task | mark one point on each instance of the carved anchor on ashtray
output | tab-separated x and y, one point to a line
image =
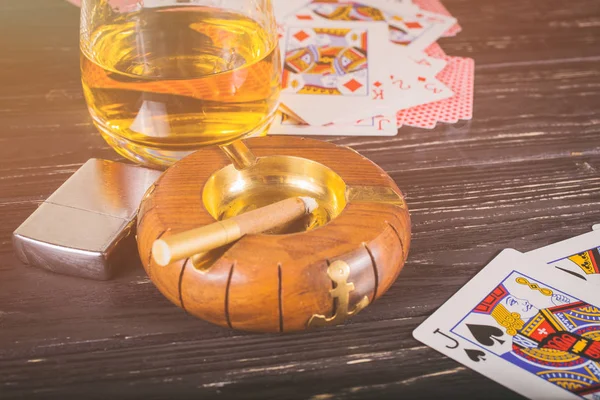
339	272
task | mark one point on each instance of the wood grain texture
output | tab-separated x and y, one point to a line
276	283
522	174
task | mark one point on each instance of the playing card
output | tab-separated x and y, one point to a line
428	65
373	126
437	7
407	25
401	117
413	88
341	72
306	10
460	80
577	257
413	81
427	115
315	10
331	69
423	116
458	77
413	27
523	327
410	93
436	51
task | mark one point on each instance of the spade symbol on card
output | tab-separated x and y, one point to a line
475	355
485	334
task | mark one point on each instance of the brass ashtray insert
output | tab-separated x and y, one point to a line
229	191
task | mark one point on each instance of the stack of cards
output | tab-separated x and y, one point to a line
368	67
529	321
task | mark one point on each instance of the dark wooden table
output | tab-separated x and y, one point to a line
522	174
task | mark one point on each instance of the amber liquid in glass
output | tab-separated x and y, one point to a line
162	82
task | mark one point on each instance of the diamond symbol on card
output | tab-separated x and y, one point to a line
413	25
377	84
304	17
353	85
301	36
421	79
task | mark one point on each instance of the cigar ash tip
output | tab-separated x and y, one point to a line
310	204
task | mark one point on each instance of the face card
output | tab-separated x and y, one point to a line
290	11
577	257
414	28
333	70
407	25
373	126
346	71
527	330
325	61
311	10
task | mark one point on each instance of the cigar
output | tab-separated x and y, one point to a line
200	240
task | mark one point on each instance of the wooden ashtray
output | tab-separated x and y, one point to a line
316	272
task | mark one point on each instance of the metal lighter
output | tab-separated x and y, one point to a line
86	227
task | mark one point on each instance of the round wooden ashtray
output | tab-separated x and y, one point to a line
316	272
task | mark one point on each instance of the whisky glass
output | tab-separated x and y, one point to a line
163	78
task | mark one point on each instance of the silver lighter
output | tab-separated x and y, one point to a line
85	228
